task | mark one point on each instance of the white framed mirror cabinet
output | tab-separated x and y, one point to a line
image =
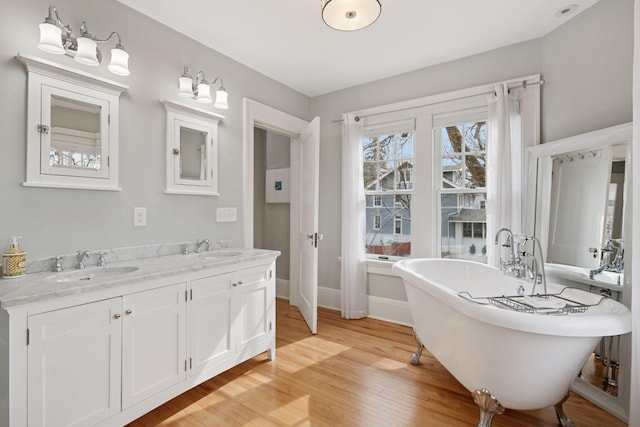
191	150
575	205
72	127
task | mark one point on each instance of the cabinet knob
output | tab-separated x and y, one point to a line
128	312
116	316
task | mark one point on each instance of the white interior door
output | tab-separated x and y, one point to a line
578	207
308	237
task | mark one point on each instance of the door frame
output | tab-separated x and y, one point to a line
268	118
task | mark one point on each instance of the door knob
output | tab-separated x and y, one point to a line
116	316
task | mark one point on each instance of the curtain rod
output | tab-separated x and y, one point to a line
523	85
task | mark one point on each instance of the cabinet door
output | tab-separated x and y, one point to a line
211	321
255	323
74	365
153	342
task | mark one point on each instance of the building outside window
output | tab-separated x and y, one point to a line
463	217
388	160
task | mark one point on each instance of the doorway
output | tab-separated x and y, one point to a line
271	202
304	179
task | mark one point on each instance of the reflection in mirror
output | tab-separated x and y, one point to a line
193	154
586	212
75	134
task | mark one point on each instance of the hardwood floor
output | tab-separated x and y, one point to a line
352	373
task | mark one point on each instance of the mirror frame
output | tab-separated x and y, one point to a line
539	161
540	165
44	75
182	115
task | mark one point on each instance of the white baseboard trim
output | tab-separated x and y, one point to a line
329	298
389	310
282	288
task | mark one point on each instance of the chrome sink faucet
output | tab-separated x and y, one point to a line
617	266
203	242
80	257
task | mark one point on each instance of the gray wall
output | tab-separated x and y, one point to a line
586	63
58	221
587	66
271	221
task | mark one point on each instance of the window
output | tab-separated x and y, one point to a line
462	151
398	225
388	160
424	161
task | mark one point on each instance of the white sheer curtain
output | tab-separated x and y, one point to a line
632	269
504	168
353	271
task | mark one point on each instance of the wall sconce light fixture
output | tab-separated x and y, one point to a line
199	89
55	37
350	15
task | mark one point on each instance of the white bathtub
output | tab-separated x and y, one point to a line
526	360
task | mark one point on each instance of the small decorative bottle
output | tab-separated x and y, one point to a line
14	260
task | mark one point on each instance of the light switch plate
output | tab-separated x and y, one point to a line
226	215
139	217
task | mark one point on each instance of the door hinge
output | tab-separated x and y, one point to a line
43	129
27	336
191	294
190	363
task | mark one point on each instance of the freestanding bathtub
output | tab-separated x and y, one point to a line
506	358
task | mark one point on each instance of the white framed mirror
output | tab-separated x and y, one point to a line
577	196
191	150
575	205
72	127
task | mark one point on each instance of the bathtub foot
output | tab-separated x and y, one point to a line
489	406
563	419
415	357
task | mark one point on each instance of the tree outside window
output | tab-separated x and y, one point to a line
388	161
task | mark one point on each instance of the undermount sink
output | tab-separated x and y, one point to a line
98	273
218	254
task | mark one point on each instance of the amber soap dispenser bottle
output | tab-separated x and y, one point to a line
14	260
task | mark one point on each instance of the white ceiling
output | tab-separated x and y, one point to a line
288	41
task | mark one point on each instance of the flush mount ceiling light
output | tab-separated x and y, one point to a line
566	10
55	37
200	90
350	15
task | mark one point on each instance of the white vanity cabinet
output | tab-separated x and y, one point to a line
74	364
154	342
232	318
107	357
85	361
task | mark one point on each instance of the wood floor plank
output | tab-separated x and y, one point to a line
352	373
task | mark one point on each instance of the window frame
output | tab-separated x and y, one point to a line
425	173
386	128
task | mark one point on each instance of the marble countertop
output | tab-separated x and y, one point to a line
46	285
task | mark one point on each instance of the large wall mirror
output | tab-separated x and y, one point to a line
578	196
192	150
575	205
72	127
